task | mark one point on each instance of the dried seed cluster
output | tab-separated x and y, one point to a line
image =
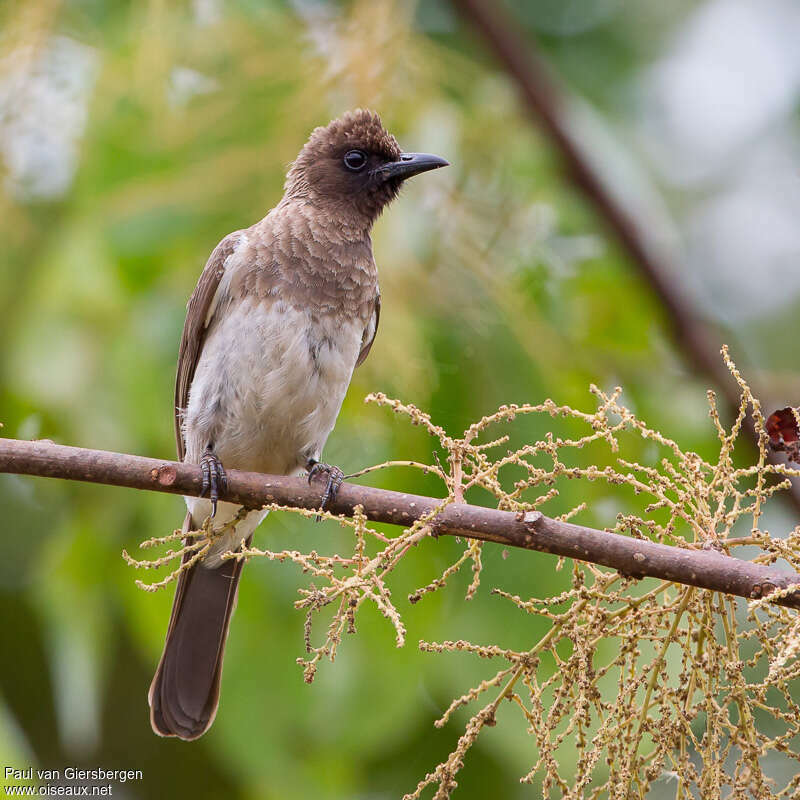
632	683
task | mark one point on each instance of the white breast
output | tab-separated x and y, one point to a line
266	392
269	385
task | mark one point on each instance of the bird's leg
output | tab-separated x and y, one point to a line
214	477
335	478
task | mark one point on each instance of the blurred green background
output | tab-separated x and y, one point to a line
134	136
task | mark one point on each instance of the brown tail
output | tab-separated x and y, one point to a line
184	693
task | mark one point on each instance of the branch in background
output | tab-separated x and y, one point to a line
639	558
545	102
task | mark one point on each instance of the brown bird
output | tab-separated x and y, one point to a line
282	314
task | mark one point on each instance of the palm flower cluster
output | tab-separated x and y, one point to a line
634	682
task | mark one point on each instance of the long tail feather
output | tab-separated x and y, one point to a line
184	693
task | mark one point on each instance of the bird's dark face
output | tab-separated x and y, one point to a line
354	167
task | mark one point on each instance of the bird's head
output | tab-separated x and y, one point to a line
353	168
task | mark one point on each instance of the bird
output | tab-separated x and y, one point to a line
282	314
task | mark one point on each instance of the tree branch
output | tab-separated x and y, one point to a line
546	103
639	558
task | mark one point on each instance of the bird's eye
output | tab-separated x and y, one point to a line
355	160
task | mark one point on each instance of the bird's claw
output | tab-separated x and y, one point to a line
335	478
214	478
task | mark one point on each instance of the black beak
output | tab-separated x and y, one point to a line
410	164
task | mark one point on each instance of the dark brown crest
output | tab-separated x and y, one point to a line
361	129
319	174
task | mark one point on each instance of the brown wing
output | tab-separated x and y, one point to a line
369	333
194	328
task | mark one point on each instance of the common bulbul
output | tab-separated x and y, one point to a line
282	314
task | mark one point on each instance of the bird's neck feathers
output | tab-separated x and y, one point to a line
310	260
352	214
297	226
329	220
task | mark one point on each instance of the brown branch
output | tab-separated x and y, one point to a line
545	102
706	569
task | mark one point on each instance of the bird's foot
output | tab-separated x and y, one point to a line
335	478
214	478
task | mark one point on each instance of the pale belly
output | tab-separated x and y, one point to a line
266	392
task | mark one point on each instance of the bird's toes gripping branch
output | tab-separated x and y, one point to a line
335	478
214	478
